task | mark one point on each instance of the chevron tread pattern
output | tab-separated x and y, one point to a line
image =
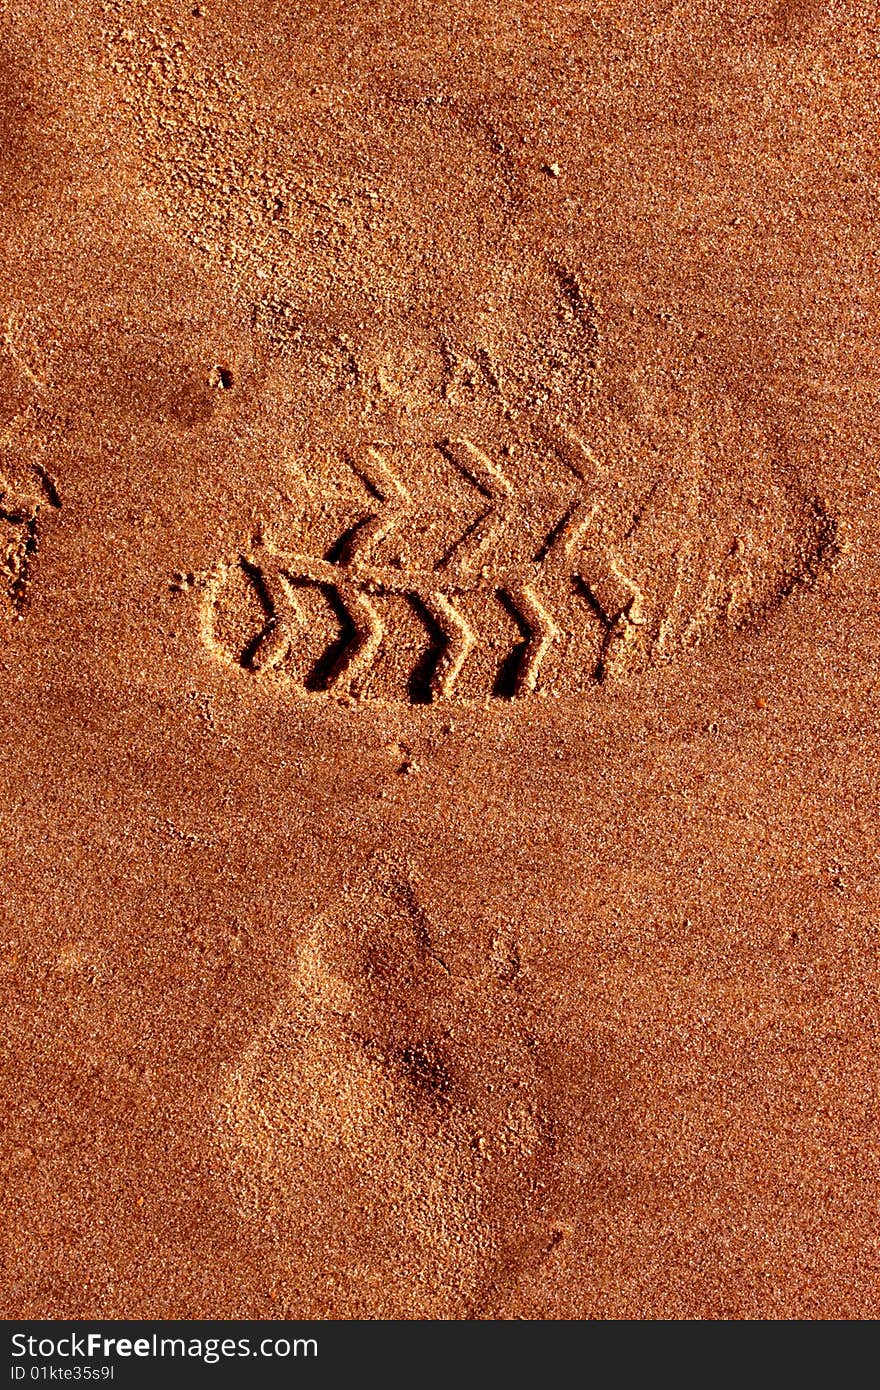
583	578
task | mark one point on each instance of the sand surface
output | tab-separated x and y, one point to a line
440	659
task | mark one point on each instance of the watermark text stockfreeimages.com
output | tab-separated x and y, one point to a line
88	1346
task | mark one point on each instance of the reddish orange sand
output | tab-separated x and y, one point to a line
438	587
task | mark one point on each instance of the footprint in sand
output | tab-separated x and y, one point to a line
421	1096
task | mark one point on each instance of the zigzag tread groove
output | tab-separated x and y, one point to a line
586	578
